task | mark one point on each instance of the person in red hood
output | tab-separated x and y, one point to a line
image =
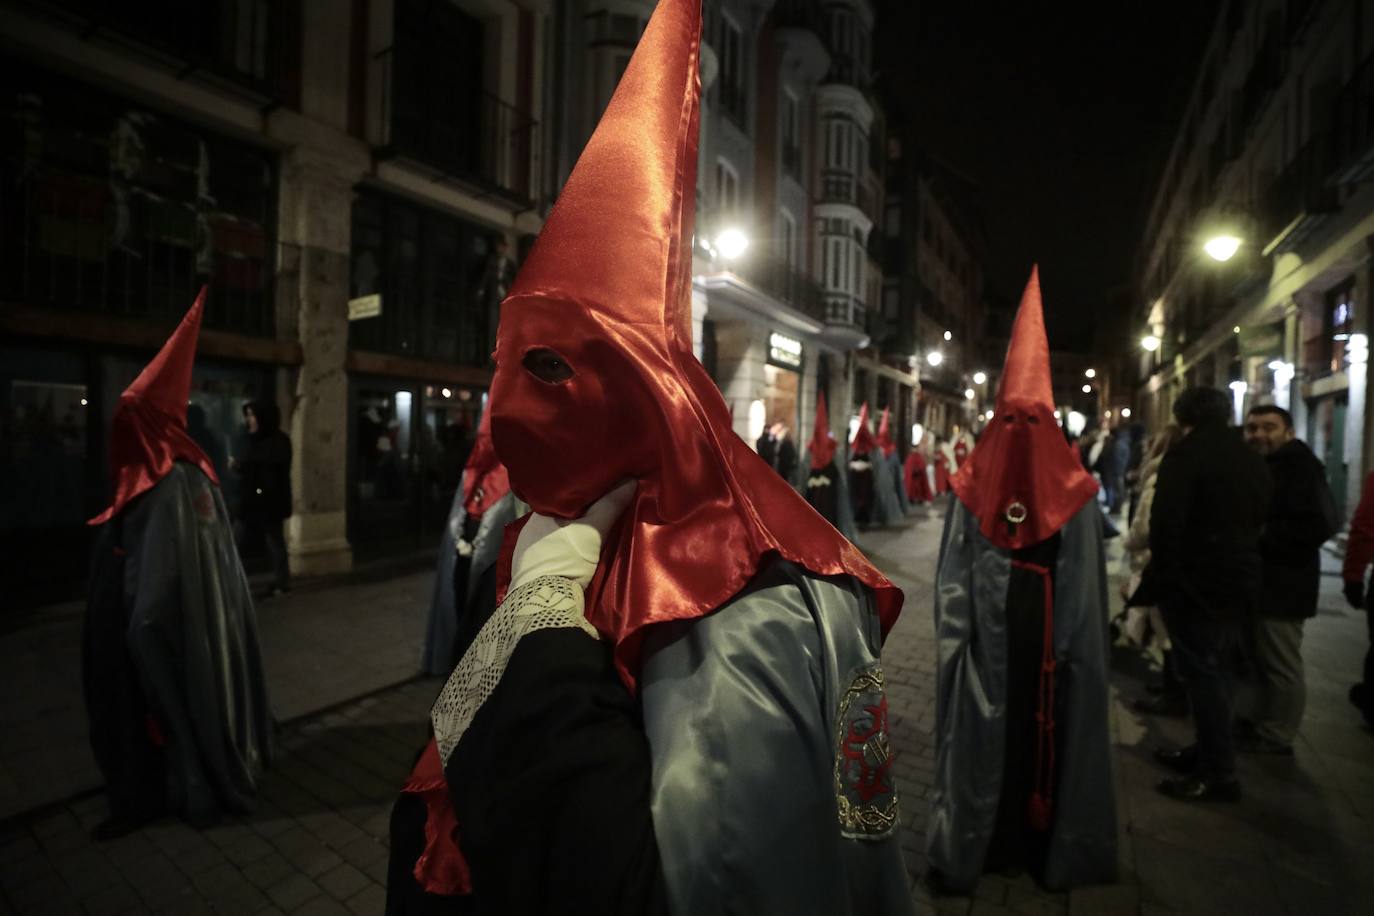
826	490
684	645
915	472
892	501
1023	768
863	453
465	587
175	693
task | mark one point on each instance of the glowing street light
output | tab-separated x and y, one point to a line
732	243
1221	247
1149	343
1090	373
935	357
969	394
1125	413
1087	389
979	378
949	335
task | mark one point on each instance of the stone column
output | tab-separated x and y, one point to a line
316	213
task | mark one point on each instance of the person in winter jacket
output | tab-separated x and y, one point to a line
1171	699
1211	501
1302	516
266	471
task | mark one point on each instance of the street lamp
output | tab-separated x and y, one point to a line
1221	247
1087	389
949	335
1125	413
969	394
1090	373
935	357
732	243
979	378
1149	343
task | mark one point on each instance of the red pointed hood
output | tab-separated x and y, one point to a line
148	433
863	441
596	379
822	445
485	479
1022	481
885	434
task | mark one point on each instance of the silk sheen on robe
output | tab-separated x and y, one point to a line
970	618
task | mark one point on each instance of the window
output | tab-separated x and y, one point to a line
731	70
787	239
727	187
1340	322
791	134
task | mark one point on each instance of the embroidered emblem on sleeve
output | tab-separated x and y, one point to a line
865	791
549	601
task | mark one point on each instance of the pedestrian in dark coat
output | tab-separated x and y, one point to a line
1302	516
266	471
1211	501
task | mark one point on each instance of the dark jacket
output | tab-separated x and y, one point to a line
1300	520
1211	501
266	470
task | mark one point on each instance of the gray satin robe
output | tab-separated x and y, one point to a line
970	623
193	640
747	712
436	658
886	509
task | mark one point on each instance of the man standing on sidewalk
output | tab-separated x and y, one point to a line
266	501
1211	500
1302	516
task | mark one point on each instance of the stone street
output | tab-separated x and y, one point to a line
318	842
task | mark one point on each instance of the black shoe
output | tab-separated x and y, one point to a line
1182	760
1162	705
1201	788
1258	744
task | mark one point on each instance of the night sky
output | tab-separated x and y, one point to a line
1063	120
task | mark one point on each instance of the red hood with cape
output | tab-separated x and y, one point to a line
148	433
602	309
885	434
1022	480
863	441
485	480
822	445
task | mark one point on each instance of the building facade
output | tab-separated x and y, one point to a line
933	317
353	182
1272	172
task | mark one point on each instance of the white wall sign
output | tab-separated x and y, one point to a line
784	351
365	307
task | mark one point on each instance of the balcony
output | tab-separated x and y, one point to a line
842	187
1353	134
1299	200
846	311
456	128
249	48
783	282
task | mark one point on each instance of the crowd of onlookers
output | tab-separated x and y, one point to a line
1223	533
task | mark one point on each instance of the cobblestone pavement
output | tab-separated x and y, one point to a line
1300	842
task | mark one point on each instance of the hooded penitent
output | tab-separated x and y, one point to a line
822	445
148	433
863	442
175	692
468	548
596	379
1023	764
885	442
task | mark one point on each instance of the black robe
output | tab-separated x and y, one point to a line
172	671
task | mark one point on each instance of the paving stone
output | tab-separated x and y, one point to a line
368	901
293	891
343	881
269	870
324	906
117	899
